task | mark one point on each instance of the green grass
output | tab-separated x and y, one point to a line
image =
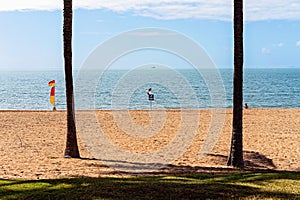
242	185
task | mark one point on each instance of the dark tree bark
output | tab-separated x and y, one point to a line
235	158
71	143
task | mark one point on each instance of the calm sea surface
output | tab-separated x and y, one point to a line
121	89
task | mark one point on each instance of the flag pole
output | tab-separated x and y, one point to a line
54	107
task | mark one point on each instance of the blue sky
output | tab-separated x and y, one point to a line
31	31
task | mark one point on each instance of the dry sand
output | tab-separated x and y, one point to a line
32	142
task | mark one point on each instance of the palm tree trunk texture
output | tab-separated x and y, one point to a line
71	143
236	151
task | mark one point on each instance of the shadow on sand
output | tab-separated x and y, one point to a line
254	161
204	185
170	182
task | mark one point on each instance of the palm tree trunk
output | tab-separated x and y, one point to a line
71	143
236	150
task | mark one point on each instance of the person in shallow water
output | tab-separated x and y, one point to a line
246	106
150	95
149	91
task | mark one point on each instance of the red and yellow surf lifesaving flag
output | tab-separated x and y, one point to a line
52	92
52	83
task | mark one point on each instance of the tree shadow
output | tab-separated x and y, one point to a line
252	160
185	186
255	160
169	182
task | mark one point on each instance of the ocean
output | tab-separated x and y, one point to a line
172	89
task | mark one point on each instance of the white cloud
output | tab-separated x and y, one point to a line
91	33
151	33
265	50
298	43
255	10
12	5
280	44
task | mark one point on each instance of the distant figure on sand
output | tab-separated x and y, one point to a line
246	106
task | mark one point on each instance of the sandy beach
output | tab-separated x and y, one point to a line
32	142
